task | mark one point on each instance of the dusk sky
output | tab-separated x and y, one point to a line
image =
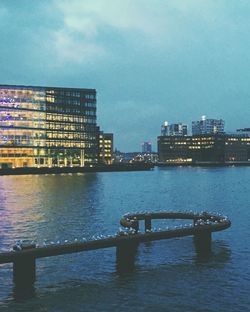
149	60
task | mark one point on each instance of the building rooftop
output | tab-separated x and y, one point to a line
45	87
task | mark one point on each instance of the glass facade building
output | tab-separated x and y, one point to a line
208	126
179	129
47	126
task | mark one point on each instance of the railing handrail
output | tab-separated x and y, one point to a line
203	222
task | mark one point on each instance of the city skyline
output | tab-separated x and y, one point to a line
189	60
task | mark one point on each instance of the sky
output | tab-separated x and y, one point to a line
149	60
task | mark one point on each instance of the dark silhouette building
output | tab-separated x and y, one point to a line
210	149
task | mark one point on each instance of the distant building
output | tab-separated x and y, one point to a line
47	126
125	157
237	148
176	129
205	148
132	157
165	128
106	147
245	131
148	158
147	147
208	126
190	149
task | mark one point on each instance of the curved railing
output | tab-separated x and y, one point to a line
203	221
23	255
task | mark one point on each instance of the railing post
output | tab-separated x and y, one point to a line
195	219
148	224
203	242
125	256
135	225
24	268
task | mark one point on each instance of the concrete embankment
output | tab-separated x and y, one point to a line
59	170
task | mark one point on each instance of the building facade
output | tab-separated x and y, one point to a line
147	147
106	143
208	126
245	131
176	129
210	149
47	126
237	148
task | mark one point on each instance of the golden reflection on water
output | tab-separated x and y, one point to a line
26	201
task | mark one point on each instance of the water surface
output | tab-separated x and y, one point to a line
168	275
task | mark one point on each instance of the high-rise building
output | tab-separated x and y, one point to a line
208	126
147	147
176	129
165	129
47	126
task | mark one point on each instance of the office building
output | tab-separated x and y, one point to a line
47	126
176	129
147	147
165	129
208	126
245	131
106	147
204	149
237	147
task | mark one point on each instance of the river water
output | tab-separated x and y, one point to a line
168	276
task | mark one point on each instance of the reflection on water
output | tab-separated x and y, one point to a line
39	207
167	275
220	254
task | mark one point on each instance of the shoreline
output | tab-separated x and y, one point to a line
205	164
113	168
59	170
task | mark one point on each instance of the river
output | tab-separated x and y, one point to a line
168	276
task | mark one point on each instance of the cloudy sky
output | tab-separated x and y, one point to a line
149	60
